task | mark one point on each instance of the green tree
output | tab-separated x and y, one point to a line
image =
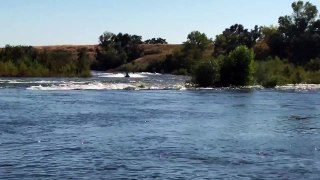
130	45
192	51
206	73
303	16
197	41
115	50
298	38
235	36
238	67
156	41
106	40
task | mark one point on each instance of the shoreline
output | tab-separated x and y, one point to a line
102	80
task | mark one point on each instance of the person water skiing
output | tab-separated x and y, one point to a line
127	75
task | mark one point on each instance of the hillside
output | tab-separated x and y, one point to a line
152	53
71	48
153	56
156	52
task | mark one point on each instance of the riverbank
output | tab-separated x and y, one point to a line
76	61
137	82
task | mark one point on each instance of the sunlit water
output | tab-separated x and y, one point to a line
151	127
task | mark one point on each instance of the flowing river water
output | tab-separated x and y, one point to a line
150	126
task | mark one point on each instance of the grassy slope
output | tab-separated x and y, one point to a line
72	48
152	52
156	52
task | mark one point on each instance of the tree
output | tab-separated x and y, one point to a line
303	17
106	40
298	37
115	50
129	45
206	73
194	48
238	67
156	41
235	36
197	40
278	45
192	51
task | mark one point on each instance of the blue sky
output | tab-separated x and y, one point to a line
54	22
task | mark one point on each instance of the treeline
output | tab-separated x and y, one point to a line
118	49
266	55
115	50
156	41
288	53
28	61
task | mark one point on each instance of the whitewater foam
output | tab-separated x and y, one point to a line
299	87
28	82
106	86
90	86
64	86
120	75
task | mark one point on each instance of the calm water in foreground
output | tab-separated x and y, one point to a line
150	127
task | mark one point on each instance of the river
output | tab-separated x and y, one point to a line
150	126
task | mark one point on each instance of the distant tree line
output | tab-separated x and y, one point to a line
288	53
27	61
115	50
156	41
267	55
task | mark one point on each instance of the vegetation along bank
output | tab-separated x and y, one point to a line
265	55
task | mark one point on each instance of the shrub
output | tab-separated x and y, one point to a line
206	74
279	72
238	67
313	65
181	71
313	77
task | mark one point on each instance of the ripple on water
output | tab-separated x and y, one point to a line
223	133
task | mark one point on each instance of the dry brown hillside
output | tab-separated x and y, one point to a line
156	52
72	48
151	52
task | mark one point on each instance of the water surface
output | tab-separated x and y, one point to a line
152	127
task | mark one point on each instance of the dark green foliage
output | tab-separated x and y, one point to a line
156	41
235	36
313	65
297	37
197	43
15	53
206	73
155	67
296	41
173	62
279	72
238	67
27	61
288	53
83	63
129	45
108	59
181	71
235	69
278	45
60	62
115	50
186	59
